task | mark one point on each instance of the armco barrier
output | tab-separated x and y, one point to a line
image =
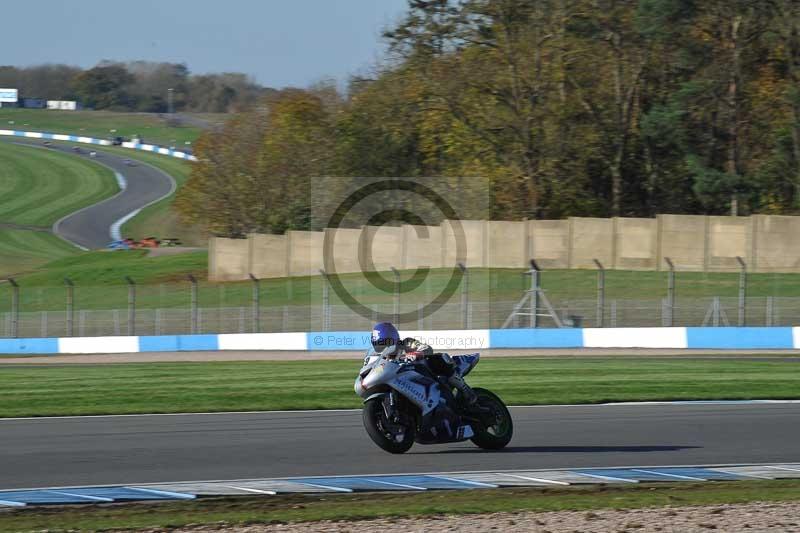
102	142
777	338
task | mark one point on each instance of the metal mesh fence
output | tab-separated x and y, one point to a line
487	299
760	311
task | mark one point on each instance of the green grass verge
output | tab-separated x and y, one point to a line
40	186
37	188
23	250
106	268
99	279
296	508
149	126
273	385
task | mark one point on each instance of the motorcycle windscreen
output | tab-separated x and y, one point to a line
465	363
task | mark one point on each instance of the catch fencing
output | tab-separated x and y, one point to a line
482	299
761	311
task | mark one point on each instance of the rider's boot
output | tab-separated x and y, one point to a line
465	392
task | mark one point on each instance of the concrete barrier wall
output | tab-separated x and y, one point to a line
228	259
475	235
691	242
683	239
267	255
776	338
636	244
383	246
728	237
422	246
548	242
776	243
508	244
591	238
345	245
304	252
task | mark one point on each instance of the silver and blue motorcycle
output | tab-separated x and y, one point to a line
406	402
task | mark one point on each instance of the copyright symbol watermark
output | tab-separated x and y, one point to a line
396	232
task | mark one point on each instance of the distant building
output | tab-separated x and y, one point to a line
64	105
34	103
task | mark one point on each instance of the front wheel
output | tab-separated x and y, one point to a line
498	428
394	436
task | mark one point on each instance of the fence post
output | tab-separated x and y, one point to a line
601	292
70	306
326	314
742	291
256	304
613	313
770	311
465	322
535	286
396	297
131	305
14	307
670	292
193	281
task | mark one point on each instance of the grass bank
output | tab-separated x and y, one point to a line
37	187
273	385
231	512
25	250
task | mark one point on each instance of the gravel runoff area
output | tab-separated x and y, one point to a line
233	355
735	518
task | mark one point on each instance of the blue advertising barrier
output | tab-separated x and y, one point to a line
722	338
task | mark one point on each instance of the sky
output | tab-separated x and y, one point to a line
280	43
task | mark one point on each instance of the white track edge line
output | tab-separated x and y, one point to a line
146	485
698	403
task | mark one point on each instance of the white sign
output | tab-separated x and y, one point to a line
65	105
9	95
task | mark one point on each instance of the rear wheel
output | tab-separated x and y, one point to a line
394	436
498	428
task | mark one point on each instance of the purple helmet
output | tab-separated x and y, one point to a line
384	334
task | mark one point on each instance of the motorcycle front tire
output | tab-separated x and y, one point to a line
373	416
493	440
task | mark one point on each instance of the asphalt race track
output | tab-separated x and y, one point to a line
153	448
90	227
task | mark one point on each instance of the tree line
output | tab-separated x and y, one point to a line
136	86
568	107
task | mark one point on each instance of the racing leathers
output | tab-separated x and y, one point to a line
440	363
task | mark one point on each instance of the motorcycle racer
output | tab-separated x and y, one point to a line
384	334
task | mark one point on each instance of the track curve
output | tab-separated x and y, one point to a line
90	227
156	448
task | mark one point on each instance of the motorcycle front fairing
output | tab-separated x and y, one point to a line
465	363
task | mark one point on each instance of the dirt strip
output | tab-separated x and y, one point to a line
753	517
265	355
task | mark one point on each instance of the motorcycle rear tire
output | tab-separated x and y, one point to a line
483	438
373	416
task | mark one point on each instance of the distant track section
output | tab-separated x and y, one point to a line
91	227
101	142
